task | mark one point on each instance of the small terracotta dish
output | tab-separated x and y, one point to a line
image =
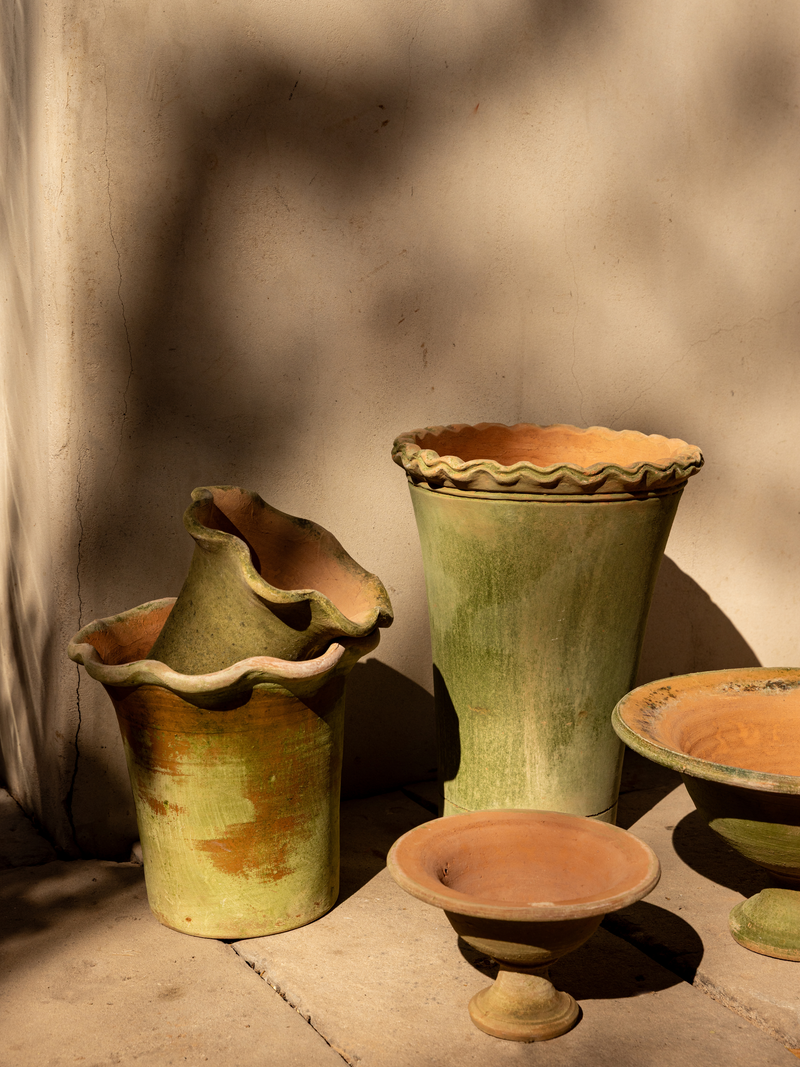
525	888
734	735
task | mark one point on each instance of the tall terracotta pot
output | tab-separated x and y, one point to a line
236	769
541	547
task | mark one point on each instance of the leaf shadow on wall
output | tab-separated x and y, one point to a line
212	355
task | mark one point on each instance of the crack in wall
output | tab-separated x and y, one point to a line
760	319
70	796
128	344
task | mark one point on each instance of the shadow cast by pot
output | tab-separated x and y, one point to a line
661	935
389	731
36	902
368	829
686	631
644	784
607	967
448	735
706	852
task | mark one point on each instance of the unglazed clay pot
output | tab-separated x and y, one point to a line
263	583
734	735
525	888
541	547
235	763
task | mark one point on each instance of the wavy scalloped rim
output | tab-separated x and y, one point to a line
379	615
236	679
424	465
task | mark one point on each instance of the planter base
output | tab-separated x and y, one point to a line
769	923
447	807
523	1006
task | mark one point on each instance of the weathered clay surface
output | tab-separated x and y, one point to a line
263	583
716	724
491	457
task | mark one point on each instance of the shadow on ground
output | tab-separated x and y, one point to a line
706	852
605	968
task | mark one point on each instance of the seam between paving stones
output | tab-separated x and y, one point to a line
705	985
351	1060
695	978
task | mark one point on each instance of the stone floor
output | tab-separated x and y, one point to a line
87	976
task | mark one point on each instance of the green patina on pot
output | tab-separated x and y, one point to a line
539	582
734	735
236	771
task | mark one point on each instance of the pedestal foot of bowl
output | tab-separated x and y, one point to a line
769	923
523	1006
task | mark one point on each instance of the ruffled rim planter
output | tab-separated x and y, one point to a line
262	582
235	775
541	546
559	459
114	652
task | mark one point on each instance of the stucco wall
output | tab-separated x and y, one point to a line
267	237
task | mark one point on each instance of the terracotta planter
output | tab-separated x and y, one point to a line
525	888
236	770
541	547
734	735
263	583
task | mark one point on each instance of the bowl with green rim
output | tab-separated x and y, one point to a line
734	736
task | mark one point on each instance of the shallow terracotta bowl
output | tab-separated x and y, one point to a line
524	887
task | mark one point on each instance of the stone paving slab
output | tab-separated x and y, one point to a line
684	922
382	978
89	977
20	844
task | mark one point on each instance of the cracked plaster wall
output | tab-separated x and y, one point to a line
251	243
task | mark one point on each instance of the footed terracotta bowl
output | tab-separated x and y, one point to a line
734	735
524	887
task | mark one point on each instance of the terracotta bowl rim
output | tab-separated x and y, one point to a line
653	696
543	911
426	466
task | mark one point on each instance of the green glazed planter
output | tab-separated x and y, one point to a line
541	547
236	770
734	735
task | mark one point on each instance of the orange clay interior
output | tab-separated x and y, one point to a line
547	446
521	863
130	640
289	557
753	731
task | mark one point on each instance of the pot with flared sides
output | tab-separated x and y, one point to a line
232	715
734	736
525	888
541	546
